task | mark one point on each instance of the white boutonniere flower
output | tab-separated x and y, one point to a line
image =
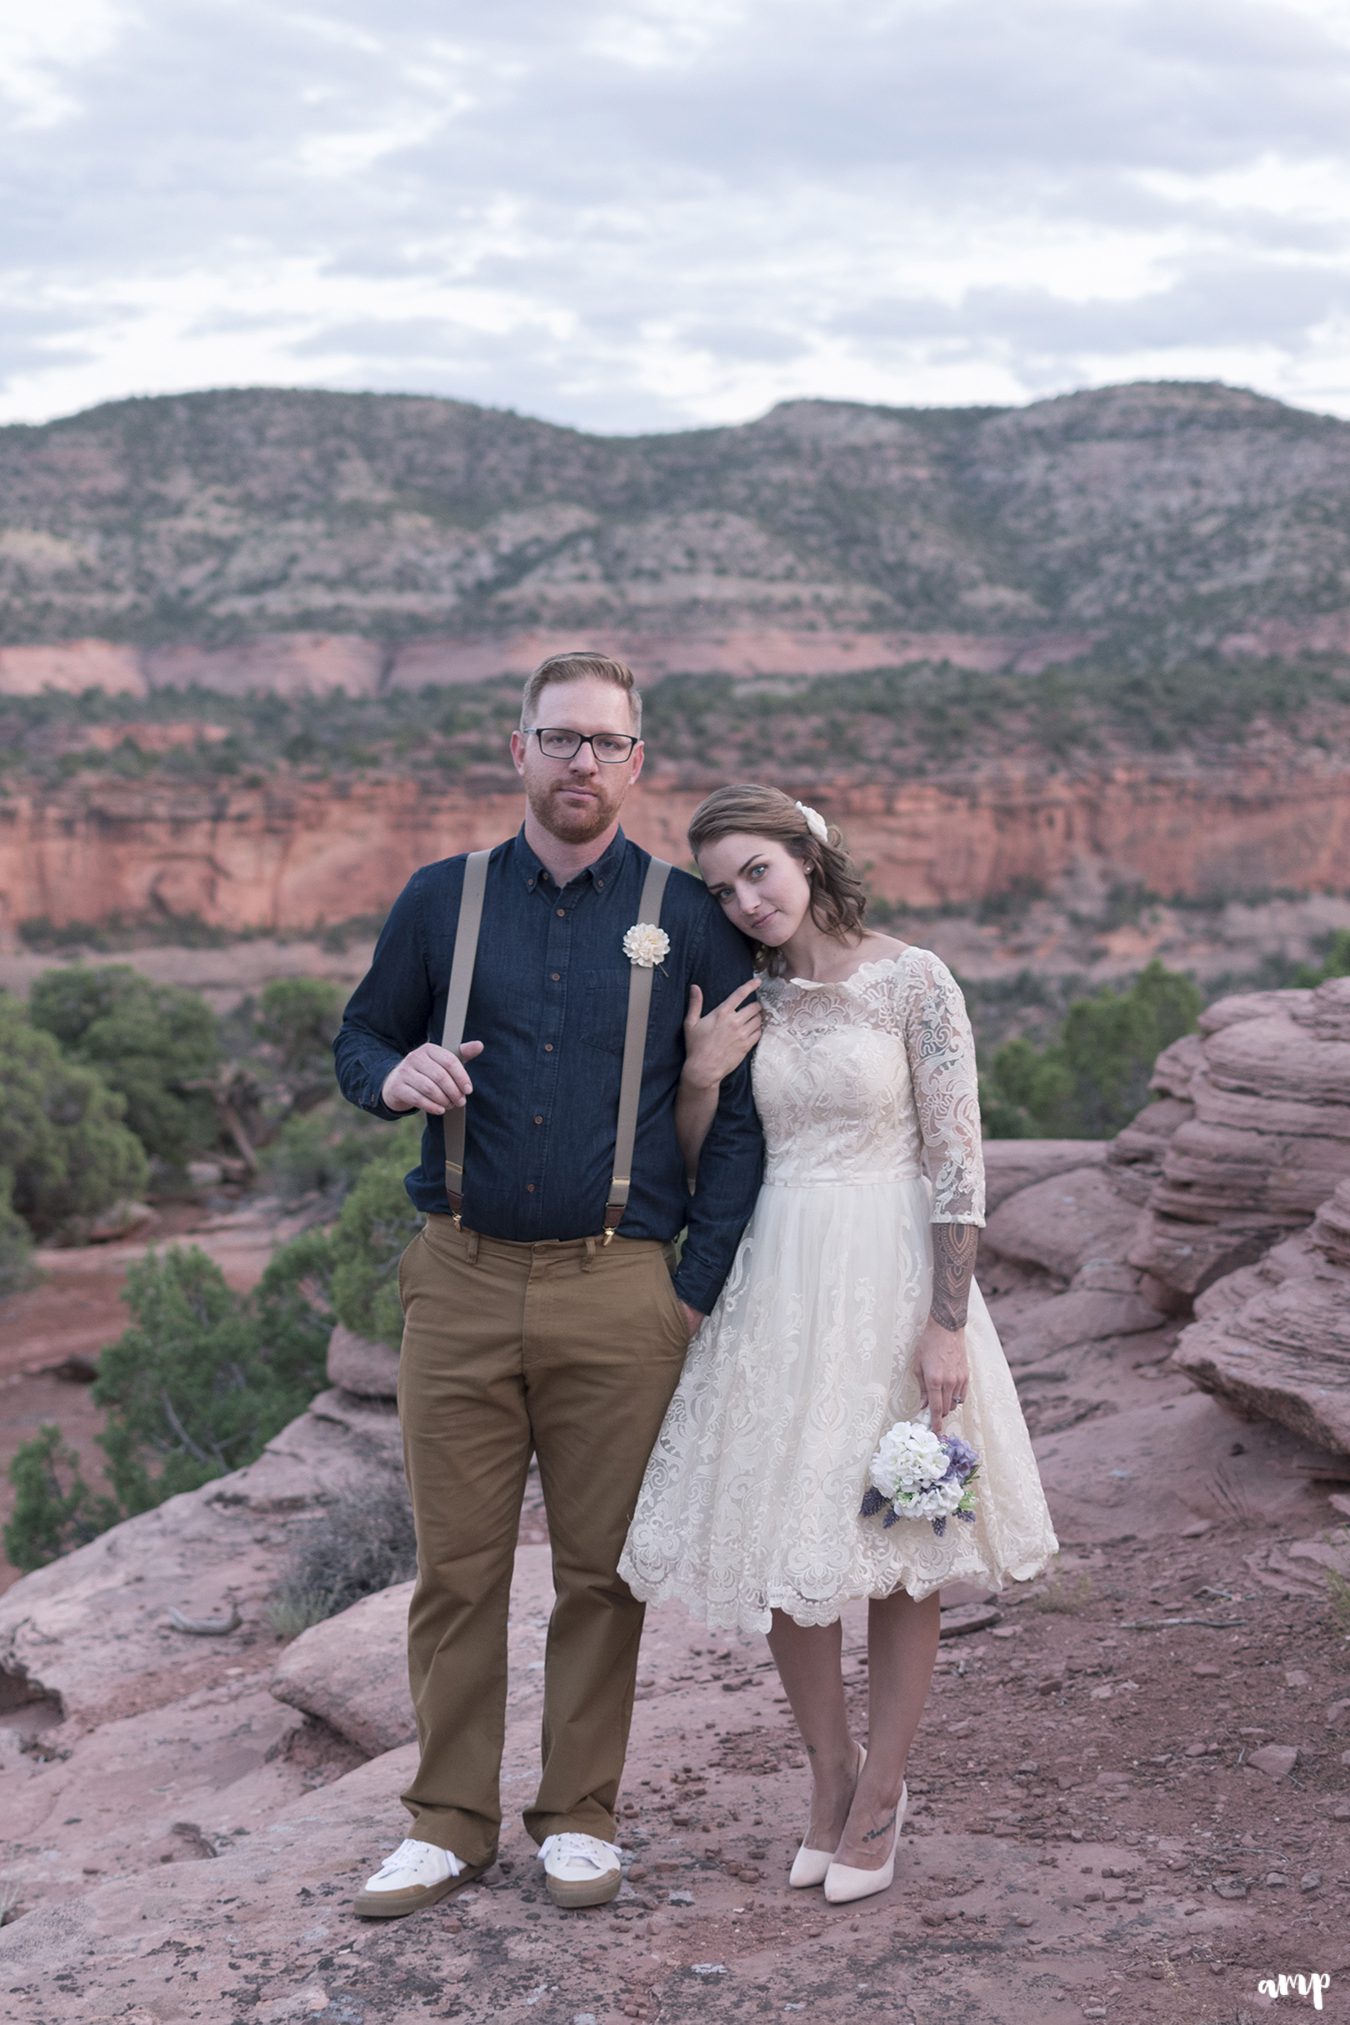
646	945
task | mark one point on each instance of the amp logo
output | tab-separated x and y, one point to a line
1291	1986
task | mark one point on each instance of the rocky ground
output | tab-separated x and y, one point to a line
1131	1786
1129	1790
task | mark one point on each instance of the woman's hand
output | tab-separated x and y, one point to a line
943	1369
715	1043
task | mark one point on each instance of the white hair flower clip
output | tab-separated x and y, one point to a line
815	823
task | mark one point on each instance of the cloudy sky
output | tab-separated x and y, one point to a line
667	212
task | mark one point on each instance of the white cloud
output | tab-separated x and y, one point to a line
651	213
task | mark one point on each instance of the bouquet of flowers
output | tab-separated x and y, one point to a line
916	1474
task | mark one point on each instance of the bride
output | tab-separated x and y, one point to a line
850	1306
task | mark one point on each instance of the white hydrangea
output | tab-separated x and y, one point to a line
907	1469
646	945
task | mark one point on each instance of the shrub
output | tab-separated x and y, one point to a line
205	1377
297	1018
197	1386
1091	1080
62	1139
16	1246
325	1151
361	1543
54	1508
1336	962
376	1225
150	1042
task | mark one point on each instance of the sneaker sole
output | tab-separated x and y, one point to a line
395	1905
589	1891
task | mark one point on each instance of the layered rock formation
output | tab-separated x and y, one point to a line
326	529
1275	1336
292	854
1249	1140
1250	1135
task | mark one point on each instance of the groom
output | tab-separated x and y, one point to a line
525	1330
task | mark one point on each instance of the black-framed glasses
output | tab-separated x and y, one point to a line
611	748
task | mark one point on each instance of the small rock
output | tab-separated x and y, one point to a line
1295	1677
1274	1878
1341	1811
1277	1761
1206	1671
1310	1881
1197	1529
709	1968
1023	1920
1229	1887
679	1898
1337	1713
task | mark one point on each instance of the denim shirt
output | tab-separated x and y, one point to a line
550	1002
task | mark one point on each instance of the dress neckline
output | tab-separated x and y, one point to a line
841	983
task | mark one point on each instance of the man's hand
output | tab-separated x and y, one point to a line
692	1317
430	1079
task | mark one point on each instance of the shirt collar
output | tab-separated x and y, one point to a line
601	873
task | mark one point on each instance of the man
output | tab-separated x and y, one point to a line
524	1329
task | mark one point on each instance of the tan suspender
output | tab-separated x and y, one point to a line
634	1039
456	1008
634	1047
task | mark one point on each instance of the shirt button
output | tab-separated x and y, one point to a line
556	975
562	913
529	1188
548	1047
538	1117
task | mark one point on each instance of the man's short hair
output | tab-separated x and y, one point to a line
576	667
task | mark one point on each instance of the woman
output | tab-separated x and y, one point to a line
850	1306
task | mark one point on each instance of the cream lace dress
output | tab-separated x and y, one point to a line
750	1500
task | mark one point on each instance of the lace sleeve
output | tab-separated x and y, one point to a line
946	1092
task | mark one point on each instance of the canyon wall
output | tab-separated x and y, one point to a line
293	854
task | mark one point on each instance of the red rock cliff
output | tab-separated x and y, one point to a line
294	854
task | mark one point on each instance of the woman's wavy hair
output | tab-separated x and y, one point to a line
838	901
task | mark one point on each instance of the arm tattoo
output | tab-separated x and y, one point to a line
954	1249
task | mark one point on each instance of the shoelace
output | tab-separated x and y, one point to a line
409	1853
573	1847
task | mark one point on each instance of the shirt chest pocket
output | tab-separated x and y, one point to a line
604	1007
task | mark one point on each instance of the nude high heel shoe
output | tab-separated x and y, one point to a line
811	1866
843	1883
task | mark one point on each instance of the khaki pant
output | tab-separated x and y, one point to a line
570	1349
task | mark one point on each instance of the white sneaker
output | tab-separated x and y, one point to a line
417	1874
580	1869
